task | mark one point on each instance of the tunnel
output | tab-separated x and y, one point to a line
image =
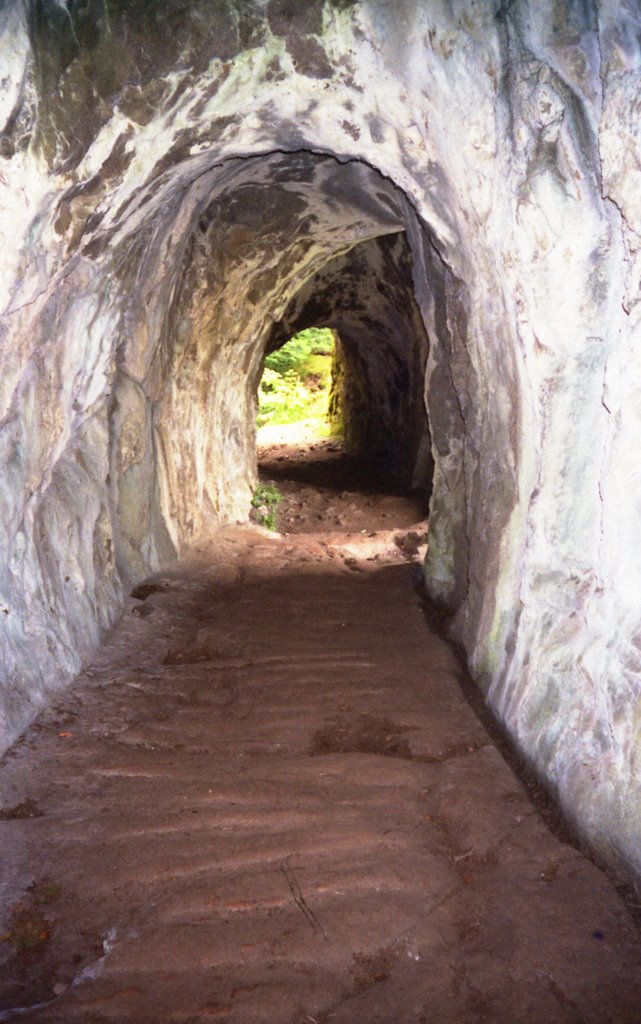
450	186
367	297
323	221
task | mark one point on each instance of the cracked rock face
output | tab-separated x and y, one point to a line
180	182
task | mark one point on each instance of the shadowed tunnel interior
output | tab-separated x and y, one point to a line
283	242
200	279
367	296
454	188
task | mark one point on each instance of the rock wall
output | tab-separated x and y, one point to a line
171	175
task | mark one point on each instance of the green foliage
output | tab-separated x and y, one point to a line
296	379
282	398
265	503
315	341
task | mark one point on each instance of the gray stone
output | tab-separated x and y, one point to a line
177	179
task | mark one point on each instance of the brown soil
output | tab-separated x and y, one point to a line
269	801
324	489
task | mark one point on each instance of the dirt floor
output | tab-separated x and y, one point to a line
325	489
269	801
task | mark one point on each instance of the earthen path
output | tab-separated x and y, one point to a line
268	801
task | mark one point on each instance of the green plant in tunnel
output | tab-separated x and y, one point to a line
265	503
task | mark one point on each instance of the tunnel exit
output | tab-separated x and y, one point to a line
313	476
297	387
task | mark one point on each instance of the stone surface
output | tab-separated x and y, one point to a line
170	176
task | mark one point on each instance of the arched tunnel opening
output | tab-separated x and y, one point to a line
367	297
283	242
240	779
297	382
267	246
376	405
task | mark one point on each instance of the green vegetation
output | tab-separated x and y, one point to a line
265	504
296	380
